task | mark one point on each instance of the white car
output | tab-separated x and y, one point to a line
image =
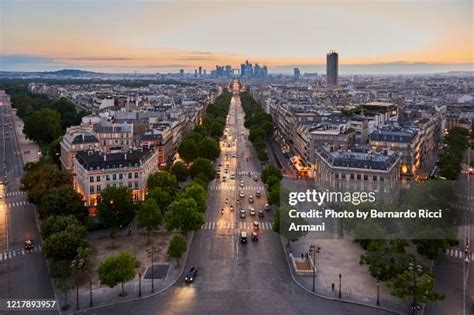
242	213
258	194
242	195
242	184
232	176
252	211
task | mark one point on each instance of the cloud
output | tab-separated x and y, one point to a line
98	58
24	59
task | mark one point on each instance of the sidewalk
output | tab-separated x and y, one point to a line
341	256
103	295
28	148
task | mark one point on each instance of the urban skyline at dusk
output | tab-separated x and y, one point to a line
163	36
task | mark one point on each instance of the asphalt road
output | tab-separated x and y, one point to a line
22	274
236	278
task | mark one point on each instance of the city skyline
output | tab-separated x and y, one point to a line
163	36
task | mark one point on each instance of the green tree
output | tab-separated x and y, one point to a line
209	148
177	247
117	269
161	196
204	167
44	126
55	224
41	177
418	287
184	215
149	216
164	180
180	171
274	195
64	245
188	150
62	200
197	193
61	271
116	207
271	171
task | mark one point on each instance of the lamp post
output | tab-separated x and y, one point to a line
340	285
416	270
77	265
152	270
139	284
90	294
312	250
378	292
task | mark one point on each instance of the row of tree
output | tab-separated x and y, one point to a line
259	123
450	163
203	142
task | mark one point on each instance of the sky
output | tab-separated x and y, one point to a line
371	36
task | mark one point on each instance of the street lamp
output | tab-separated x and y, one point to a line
77	265
340	285
312	250
378	292
416	270
152	269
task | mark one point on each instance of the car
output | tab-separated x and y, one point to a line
254	236
232	176
224	178
243	237
241	195
256	225
471	170
242	184
237	201
250	199
258	194
226	170
233	155
267	207
261	213
255	178
252	211
243	213
29	245
191	275
17	153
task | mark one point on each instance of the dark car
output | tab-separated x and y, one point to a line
191	275
254	236
261	214
29	245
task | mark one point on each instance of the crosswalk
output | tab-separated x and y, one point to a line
18	252
246	173
15	193
457	253
17	204
232	187
243	225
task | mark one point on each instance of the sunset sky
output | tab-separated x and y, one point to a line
162	36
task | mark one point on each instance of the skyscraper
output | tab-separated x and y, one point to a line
296	73
331	68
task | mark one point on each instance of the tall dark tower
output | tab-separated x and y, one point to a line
331	68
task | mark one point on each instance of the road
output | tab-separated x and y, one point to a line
236	278
22	274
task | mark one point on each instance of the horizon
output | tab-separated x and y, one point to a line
163	36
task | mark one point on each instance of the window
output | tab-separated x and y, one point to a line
129	175
343	175
120	176
98	188
374	178
352	176
129	184
382	178
120	184
114	176
98	178
91	179
336	175
358	176
366	177
136	185
91	189
107	177
136	175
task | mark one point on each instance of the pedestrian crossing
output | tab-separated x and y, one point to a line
457	253
232	187
246	173
17	204
15	193
18	252
243	225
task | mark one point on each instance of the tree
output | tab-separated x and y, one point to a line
180	171
204	167
188	150
64	245
117	269
53	151
44	126
177	247
164	180
41	177
274	195
55	224
62	271
184	215
161	197
116	207
209	148
68	112
412	284
62	200
271	171
149	215
197	193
